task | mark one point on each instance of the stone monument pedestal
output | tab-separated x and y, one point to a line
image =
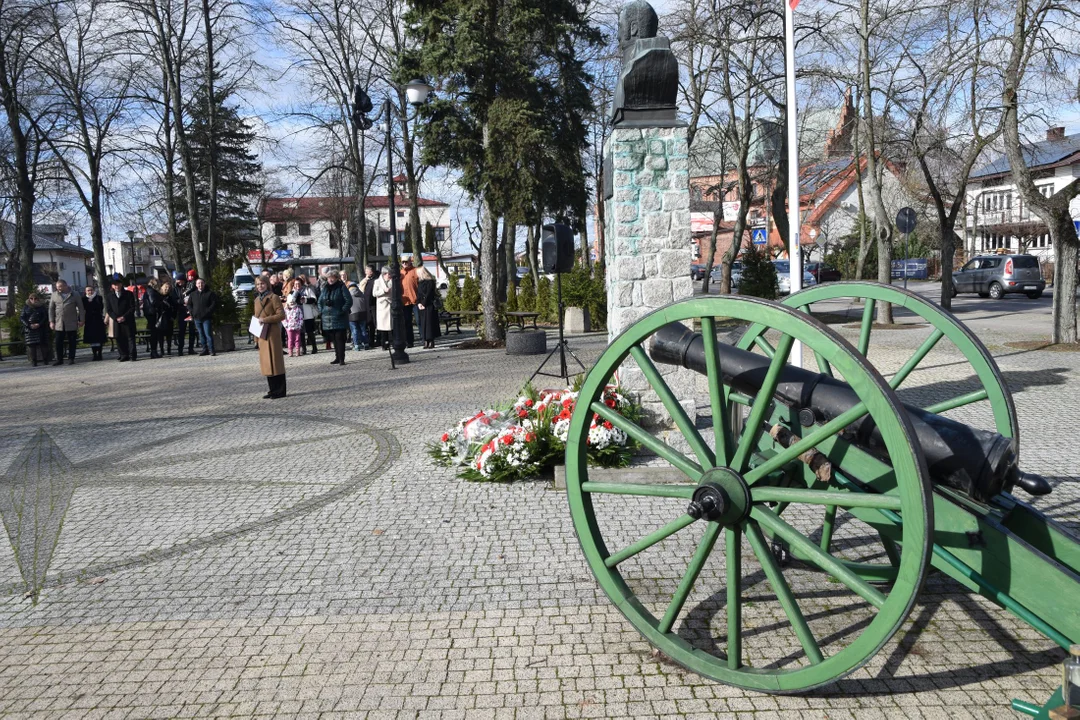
647	244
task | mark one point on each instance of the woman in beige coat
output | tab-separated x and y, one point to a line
269	311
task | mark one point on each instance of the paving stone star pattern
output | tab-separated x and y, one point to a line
225	556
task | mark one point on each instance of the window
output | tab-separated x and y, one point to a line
1026	261
281	229
304	229
333	240
1046	190
440	235
305	249
139	270
401	213
155	252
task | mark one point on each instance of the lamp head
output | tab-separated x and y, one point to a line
417	91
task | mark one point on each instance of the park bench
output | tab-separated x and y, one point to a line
454	317
519	319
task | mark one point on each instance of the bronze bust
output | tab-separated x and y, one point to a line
648	85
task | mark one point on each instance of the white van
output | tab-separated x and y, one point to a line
243	282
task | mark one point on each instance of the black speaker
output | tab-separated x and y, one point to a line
558	248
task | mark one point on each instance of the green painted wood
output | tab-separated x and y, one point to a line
762	401
671	403
828	525
866	325
697	562
953	403
807	549
686	492
741	399
824	497
973	350
766	348
783	594
913	491
717	392
1042	533
649	540
823	365
916	358
658	447
733	572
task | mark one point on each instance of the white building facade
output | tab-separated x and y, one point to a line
318	227
997	217
147	256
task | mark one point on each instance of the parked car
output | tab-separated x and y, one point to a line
783	276
736	273
697	271
997	275
822	272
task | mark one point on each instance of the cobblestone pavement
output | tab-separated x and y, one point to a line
180	547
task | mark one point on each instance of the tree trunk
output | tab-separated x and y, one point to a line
489	270
211	190
511	262
530	253
1063	235
500	260
709	256
586	259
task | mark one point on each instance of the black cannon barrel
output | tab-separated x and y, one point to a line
978	462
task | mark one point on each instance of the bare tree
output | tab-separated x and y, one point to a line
950	126
1041	52
89	85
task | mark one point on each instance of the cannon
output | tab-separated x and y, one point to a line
796	471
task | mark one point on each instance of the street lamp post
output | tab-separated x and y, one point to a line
416	92
131	241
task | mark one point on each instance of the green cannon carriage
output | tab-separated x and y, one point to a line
807	471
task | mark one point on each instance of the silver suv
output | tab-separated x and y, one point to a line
995	275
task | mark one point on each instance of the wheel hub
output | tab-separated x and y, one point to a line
722	497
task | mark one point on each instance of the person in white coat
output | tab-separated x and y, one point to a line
381	292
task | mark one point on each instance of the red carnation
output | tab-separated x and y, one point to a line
529	437
610	403
508	439
529	403
522	413
607	425
445	437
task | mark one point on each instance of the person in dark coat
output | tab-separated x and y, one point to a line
153	308
120	306
184	326
334	305
367	285
201	304
35	322
94	322
427	305
168	314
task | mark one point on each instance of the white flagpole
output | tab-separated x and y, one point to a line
794	223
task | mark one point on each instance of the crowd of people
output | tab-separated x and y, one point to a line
356	311
176	310
290	309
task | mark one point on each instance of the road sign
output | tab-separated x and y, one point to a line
759	236
1076	224
905	220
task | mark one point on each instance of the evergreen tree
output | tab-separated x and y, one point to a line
429	238
510	116
238	186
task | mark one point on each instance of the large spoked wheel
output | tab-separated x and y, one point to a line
760	641
992	387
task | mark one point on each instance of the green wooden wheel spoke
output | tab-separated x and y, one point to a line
649	540
783	593
740	399
866	325
697	562
717	391
761	404
673	456
823	365
915	359
952	404
686	426
819	434
733	550
684	492
812	553
825	497
828	524
890	550
766	348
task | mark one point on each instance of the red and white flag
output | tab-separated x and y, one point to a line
793	3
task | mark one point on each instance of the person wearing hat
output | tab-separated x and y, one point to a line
120	305
409	282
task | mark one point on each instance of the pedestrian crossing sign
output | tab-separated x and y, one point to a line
759	237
